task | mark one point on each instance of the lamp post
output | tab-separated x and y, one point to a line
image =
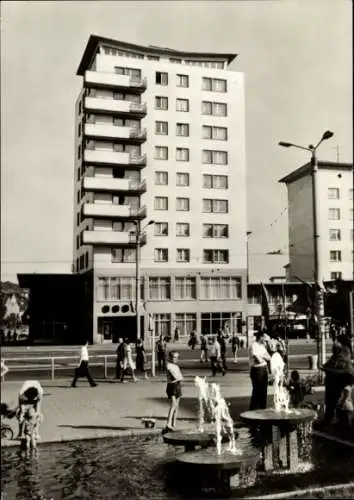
248	257
321	345
138	234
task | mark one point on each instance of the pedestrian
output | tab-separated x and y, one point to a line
235	345
161	349
296	389
30	396
140	357
120	351
83	369
176	334
222	342
128	363
173	390
30	432
203	348
192	340
215	357
259	358
4	370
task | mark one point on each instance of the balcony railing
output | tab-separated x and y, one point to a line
137	133
113	185
137	107
114	80
132	238
137	160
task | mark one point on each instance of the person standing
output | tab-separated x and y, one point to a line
120	358
140	357
128	362
235	345
203	348
30	396
83	369
215	357
192	340
222	342
176	335
173	390
259	359
161	348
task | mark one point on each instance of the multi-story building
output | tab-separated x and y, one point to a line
334	221
160	142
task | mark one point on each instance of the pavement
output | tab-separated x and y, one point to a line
116	409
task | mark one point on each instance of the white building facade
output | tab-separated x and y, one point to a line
160	138
334	221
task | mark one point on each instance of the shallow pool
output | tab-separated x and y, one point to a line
139	468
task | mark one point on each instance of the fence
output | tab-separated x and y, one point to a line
103	364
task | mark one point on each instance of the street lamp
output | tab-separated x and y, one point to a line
321	346
138	234
248	233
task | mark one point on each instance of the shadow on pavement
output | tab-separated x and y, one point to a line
105	427
192	419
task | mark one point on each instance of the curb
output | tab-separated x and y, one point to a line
302	493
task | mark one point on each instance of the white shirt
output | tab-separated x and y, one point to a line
260	352
32	383
173	373
215	350
84	354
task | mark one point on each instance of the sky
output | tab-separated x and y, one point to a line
297	60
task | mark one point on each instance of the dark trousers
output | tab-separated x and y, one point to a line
83	371
259	378
223	361
118	368
161	363
334	385
215	365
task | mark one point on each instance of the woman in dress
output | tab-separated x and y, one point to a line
140	357
173	390
129	363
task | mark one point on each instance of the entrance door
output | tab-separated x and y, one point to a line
107	331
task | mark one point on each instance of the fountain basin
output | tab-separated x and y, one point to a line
213	471
190	439
282	436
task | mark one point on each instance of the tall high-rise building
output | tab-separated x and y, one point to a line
160	144
334	221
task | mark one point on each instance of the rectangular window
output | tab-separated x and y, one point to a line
182	81
175	60
183	255
162	325
335	234
161	153
220	287
161	128
215	181
159	288
161	178
116	288
161	103
214	85
215	206
79	152
161	255
182	154
161	203
127	255
161	78
185	288
186	322
336	275
335	256
161	229
182	105
214	157
215	231
215	256
79	129
182	179
153	58
214	108
334	214
182	129
182	204
333	193
182	229
215	133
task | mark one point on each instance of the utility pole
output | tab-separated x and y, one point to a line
137	278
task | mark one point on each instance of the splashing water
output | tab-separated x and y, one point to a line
281	394
210	397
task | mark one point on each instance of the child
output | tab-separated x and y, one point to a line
296	389
173	390
345	409
32	419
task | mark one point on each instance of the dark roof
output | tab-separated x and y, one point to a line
306	170
95	40
29	279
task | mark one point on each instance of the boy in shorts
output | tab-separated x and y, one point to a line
173	389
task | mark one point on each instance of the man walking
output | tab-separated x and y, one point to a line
203	348
222	342
120	358
83	369
214	356
259	357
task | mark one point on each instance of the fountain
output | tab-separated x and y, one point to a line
215	468
280	427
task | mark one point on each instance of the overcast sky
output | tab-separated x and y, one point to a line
297	60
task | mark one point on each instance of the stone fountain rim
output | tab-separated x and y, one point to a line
226	461
270	416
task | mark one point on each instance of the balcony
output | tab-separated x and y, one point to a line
125	134
112	158
112	185
112	238
115	107
112	211
112	80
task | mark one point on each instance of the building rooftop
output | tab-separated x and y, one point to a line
307	168
95	41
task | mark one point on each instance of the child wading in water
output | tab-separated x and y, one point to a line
173	390
31	421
